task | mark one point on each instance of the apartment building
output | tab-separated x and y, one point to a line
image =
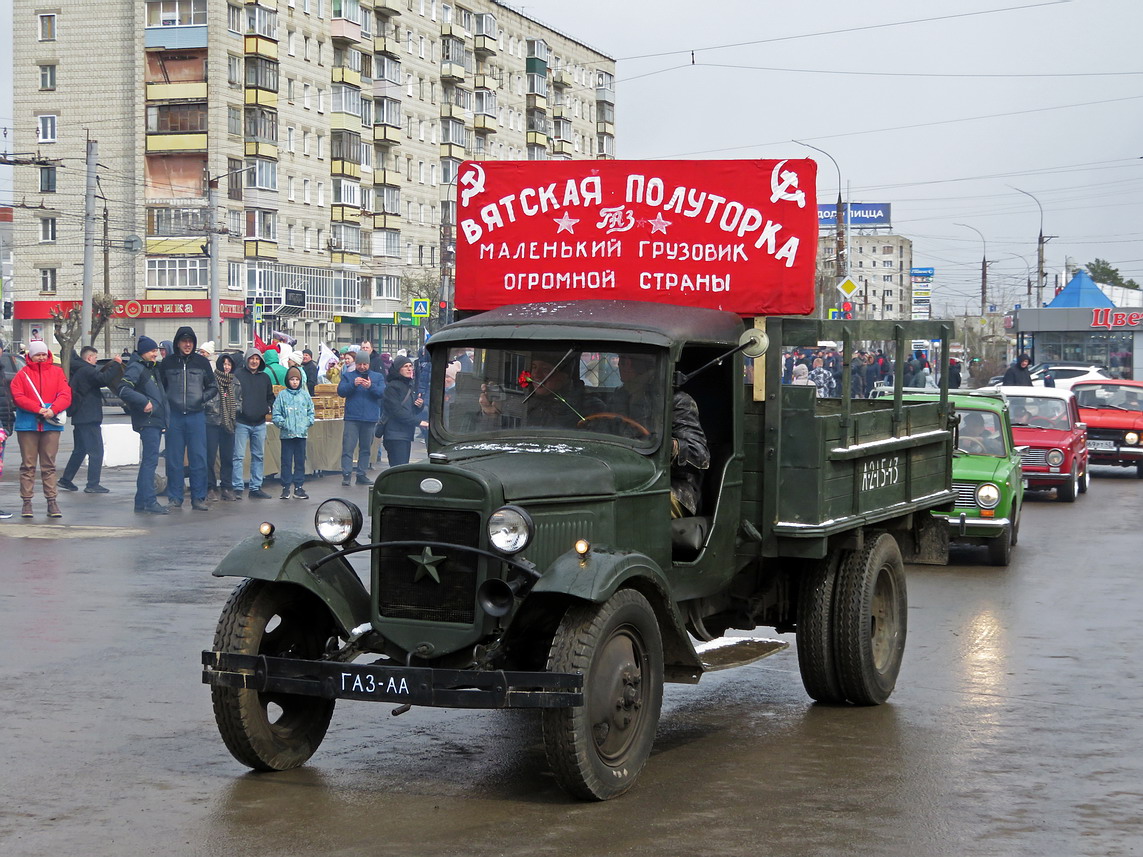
327	133
879	263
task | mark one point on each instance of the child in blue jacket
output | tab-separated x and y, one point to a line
293	414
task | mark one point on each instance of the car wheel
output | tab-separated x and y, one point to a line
596	750
1085	480
1139	470
1066	493
1000	548
271	731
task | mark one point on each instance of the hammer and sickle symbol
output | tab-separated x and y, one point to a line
474	178
780	180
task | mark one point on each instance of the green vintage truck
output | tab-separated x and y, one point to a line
532	561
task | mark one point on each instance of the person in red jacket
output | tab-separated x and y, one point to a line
39	391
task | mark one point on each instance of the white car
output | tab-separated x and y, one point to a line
1064	374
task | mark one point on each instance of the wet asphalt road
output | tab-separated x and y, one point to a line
1015	728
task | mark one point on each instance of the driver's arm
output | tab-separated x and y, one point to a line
689	446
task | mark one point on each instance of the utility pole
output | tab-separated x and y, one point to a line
86	320
983	269
214	328
106	277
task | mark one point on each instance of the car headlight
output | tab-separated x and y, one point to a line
509	529
987	496
1131	438
337	521
1055	457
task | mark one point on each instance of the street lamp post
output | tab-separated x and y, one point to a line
1040	242
983	268
841	222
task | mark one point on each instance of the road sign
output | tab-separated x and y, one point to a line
834	313
420	308
257	313
847	287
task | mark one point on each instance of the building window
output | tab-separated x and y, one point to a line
306	193
387	242
321	193
47	179
346	192
262	124
346	146
235	169
387	286
346	99
47	77
344	236
48	278
47	229
262	174
306	90
261	224
262	73
48	34
233	70
178	272
235	20
234	121
176	13
387	111
176	118
47	128
389	199
234	228
173	222
261	21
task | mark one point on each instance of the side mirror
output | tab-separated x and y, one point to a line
1081	426
753	343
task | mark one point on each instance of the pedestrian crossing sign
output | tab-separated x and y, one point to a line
420	308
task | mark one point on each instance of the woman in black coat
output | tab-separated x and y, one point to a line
402	409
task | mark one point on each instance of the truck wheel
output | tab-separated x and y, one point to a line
815	631
870	620
271	731
1000	548
598	749
1066	493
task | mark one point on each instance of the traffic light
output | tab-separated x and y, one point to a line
7	309
846	309
248	313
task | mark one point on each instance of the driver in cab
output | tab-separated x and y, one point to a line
555	398
975	438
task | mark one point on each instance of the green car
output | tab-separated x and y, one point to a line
987	475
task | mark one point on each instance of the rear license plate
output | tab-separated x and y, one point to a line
1105	445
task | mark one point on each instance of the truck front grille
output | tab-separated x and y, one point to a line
407	589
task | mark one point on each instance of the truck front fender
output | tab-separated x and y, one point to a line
286	557
597	576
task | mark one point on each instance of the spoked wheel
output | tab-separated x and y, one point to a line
816	659
598	749
870	606
271	731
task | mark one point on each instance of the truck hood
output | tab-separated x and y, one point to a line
530	470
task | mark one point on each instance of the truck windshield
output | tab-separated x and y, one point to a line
557	387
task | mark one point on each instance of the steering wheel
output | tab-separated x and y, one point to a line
611	415
971	444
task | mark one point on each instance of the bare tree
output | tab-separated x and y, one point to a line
425	285
68	325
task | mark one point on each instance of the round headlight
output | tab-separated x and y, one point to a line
987	496
1055	457
1131	438
337	521
509	529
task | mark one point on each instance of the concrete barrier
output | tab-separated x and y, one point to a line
121	446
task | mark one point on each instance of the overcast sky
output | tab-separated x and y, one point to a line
938	108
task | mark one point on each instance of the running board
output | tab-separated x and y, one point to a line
727	652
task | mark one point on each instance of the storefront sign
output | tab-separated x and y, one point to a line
40	310
1112	318
857	214
733	235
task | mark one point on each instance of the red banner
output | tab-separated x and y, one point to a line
732	235
165	308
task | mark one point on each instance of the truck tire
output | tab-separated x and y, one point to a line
1066	493
271	731
815	631
870	621
1000	548
597	750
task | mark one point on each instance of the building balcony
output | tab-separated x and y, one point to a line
485	124
455	111
484	46
485	81
537	102
341	74
453	150
559	111
388	89
387	177
605	128
344	169
161	143
260	249
345	122
562	147
452	72
562	78
454	31
261	46
387	45
190	245
342	30
605	93
175	38
258	149
537	138
386	221
261	98
387	134
183	91
345	214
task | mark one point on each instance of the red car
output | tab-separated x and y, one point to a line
1113	411
1054	442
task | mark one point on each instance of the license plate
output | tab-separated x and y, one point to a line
1108	445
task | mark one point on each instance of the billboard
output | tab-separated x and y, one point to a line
731	235
860	215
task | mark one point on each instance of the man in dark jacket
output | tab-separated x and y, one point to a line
86	413
955	379
363	391
188	379
309	370
1018	374
142	393
250	422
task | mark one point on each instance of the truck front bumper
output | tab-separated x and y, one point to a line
425	686
962	526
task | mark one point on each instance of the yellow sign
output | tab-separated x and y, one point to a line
847	287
